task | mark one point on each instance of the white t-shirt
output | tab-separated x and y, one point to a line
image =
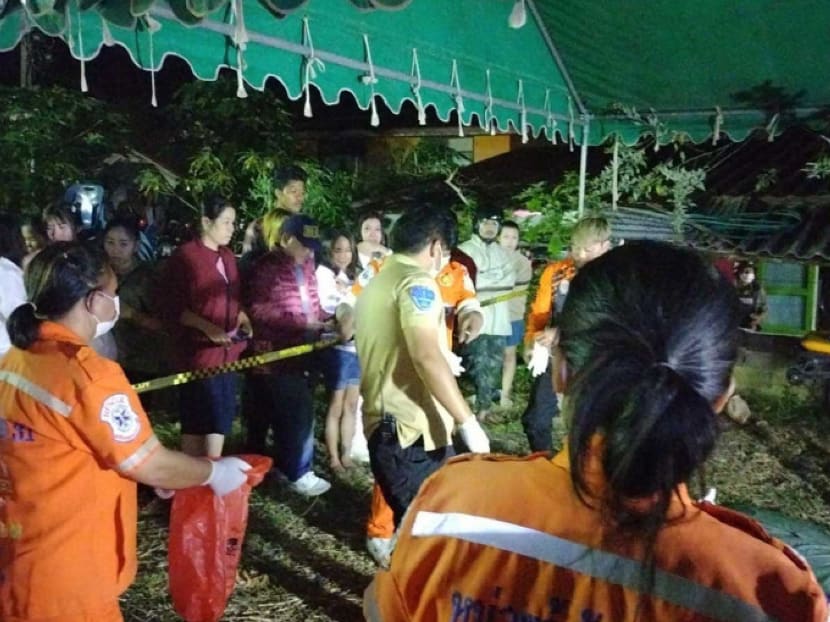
12	295
332	289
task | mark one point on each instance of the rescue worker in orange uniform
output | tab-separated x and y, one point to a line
606	530
73	442
462	311
589	240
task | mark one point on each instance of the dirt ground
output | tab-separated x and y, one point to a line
305	559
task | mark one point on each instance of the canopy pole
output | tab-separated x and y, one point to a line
615	174
583	164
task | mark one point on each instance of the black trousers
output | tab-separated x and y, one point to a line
537	419
400	471
283	401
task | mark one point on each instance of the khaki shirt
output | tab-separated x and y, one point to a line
401	296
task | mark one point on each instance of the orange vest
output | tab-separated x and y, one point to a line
457	293
504	538
457	290
541	310
71	430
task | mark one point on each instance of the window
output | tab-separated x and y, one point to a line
792	294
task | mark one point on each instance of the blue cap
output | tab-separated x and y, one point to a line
305	229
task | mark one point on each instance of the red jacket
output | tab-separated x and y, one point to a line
193	282
275	305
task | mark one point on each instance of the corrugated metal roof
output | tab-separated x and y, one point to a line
759	201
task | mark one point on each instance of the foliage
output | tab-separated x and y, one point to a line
558	206
405	163
232	146
671	183
820	169
766	179
51	138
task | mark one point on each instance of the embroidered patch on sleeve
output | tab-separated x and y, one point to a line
422	297
118	413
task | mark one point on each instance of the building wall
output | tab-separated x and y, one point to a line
490	146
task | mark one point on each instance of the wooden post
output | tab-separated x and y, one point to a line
26	61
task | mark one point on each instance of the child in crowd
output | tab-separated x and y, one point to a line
509	240
335	277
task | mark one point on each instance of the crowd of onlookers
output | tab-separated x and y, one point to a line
203	306
646	366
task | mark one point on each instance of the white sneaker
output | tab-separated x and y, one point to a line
360	454
310	485
381	550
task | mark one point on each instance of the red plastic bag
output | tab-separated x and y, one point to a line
206	534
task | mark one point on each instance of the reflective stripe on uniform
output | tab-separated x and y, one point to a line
36	392
584	560
139	455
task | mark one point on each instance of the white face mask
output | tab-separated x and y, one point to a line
103	327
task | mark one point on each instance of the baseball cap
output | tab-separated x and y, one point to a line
305	229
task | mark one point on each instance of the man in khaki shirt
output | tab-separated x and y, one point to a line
410	397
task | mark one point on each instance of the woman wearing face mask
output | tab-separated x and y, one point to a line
74	439
201	296
752	296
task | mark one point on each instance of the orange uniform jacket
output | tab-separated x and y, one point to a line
541	311
499	538
71	429
457	290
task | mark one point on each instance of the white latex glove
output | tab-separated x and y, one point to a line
227	474
711	495
538	360
455	363
474	436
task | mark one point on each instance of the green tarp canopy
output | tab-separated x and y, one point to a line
602	67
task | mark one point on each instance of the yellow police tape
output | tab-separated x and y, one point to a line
240	365
263	359
503	297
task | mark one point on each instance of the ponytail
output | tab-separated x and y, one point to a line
646	359
23	326
56	279
647	356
